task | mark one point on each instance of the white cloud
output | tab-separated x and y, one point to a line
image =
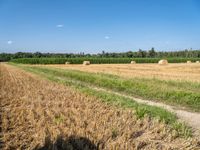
107	37
9	42
59	25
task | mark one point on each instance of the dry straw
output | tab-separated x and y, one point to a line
163	62
86	62
67	62
133	62
189	62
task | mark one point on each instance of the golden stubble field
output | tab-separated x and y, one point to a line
179	71
36	113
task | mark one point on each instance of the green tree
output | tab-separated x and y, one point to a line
152	52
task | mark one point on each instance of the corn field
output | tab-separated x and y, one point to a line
98	60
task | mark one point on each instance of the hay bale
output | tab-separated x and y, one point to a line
67	62
163	62
86	62
189	62
197	62
133	62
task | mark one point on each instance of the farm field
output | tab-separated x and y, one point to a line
174	71
45	114
98	60
182	93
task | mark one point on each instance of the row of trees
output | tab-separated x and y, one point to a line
130	54
153	54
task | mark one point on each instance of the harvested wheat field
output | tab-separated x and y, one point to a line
39	114
181	71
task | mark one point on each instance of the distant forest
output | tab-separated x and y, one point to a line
130	54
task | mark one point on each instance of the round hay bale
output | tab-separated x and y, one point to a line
133	62
86	62
197	62
189	62
67	62
163	62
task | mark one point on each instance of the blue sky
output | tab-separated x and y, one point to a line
91	26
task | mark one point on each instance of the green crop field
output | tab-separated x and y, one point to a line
98	60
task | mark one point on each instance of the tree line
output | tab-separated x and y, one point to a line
152	53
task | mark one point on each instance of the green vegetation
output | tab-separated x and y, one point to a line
97	60
152	53
140	110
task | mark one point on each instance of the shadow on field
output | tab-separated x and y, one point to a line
71	143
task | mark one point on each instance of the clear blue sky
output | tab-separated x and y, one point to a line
91	26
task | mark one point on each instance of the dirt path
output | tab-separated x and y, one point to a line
190	118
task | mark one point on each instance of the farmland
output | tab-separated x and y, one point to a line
100	60
183	94
54	107
178	72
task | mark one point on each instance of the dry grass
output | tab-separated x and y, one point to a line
182	72
36	113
